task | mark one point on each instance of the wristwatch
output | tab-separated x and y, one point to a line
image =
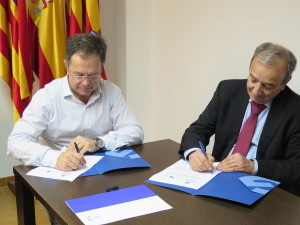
99	143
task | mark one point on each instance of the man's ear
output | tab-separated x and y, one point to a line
66	64
283	86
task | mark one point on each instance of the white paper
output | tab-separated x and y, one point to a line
181	174
122	211
48	172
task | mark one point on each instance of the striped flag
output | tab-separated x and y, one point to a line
83	16
5	51
92	16
46	19
74	20
15	66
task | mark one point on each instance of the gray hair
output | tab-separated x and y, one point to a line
270	54
85	44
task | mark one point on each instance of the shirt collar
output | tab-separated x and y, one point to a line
268	104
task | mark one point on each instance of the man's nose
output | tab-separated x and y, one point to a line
86	80
257	89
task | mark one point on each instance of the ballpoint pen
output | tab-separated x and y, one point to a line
203	150
76	146
114	188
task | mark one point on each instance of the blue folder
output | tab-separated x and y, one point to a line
113	160
234	186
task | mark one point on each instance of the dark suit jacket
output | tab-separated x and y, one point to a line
278	152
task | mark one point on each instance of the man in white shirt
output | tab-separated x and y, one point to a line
79	108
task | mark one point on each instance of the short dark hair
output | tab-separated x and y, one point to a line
270	54
86	44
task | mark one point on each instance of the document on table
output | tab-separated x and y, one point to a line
181	174
117	205
48	172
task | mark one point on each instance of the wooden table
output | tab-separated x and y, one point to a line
278	207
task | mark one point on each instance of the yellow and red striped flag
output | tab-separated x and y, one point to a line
15	66
74	16
47	20
92	16
83	16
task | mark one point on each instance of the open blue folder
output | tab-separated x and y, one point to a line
235	186
113	160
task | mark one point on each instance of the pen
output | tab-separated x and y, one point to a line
76	146
114	188
203	150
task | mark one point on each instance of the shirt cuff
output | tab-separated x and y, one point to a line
255	167
189	151
111	144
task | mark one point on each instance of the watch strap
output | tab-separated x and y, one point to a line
101	146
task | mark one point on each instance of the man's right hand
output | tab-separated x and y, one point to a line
70	160
199	162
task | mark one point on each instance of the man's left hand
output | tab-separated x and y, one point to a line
236	163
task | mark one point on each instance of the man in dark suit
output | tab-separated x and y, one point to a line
274	150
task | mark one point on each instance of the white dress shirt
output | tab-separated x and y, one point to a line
55	116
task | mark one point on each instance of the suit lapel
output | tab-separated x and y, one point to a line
274	119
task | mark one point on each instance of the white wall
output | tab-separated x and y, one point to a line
197	43
131	53
138	62
6	124
177	51
169	55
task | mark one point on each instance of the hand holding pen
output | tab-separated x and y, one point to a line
70	160
203	151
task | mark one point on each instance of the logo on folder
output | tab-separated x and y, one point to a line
258	184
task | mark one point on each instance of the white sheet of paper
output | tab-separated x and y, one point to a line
181	174
123	211
48	172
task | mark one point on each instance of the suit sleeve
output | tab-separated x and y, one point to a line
283	164
204	127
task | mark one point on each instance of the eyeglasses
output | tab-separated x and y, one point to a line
81	77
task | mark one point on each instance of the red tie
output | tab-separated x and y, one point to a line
244	139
